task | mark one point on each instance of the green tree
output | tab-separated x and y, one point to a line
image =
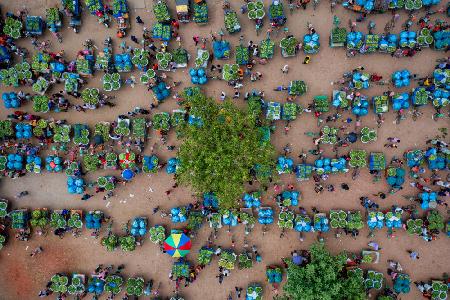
322	278
217	155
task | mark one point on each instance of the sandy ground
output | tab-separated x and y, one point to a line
22	276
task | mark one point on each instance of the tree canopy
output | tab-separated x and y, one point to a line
324	278
218	152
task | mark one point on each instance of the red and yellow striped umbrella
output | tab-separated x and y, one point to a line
177	245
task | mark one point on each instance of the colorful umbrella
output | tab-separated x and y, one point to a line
177	245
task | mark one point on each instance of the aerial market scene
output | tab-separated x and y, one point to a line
224	149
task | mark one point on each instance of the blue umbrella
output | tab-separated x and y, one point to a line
127	174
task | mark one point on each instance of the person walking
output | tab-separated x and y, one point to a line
413	254
134	39
285	69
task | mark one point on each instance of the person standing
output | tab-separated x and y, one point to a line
139	20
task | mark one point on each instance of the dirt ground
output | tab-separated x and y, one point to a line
22	276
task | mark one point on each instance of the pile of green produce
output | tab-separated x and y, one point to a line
111	82
12	28
247	219
414	226
413	4
103	182
23	70
368	135
76	287
135	286
57	221
38	130
230	72
102	129
40	62
231	20
358	159
3	161
266	49
329	135
161	121
372	42
147	76
290	111
62	133
381	104
59	284
83	66
227	259
140	58
377	161
164	59
180	270
354	221
93	6
338	219
178	117
6	128
242	55
111	160
244	261
91	162
195	220
425	39
39	218
286	219
288	46
202	59
162	31
138	125
420	96
321	104
161	11
90	96
180	56
435	221
113	284
122	128
200	12
127	243
41	103
254	292
119	7
41	85
157	234
70	83
374	280
72	168
256	10
297	88
205	256
339	35
276	10
110	242
3	204
52	15
9	77
75	221
439	290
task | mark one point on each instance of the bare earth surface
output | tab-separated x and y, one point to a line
21	277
